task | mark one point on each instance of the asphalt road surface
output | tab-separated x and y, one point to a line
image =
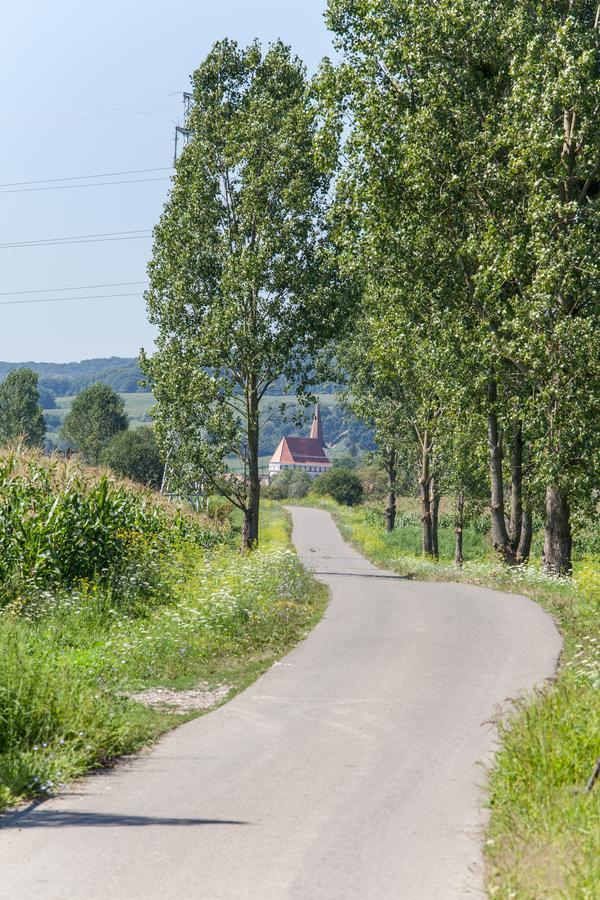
352	769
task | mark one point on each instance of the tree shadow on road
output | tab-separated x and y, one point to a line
70	818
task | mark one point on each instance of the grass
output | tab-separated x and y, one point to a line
71	653
137	406
543	839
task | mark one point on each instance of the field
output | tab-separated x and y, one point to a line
544	835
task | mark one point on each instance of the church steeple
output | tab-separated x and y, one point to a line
316	430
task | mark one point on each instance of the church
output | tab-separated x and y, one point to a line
306	453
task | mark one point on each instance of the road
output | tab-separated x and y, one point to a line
352	769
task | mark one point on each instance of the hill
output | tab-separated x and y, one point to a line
66	379
59	383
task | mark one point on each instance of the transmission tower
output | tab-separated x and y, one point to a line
182	131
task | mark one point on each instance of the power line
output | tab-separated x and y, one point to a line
97	241
78	287
85	177
63	299
64	187
134	234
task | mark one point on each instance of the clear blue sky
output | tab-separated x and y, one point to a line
91	87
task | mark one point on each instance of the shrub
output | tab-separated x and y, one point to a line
343	485
292	483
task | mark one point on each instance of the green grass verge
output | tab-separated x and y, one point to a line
63	677
543	839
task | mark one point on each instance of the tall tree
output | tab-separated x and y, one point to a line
237	277
21	415
96	416
478	129
549	135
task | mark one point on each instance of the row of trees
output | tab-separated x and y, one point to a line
427	210
468	214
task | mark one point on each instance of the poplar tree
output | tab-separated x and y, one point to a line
476	143
21	415
238	276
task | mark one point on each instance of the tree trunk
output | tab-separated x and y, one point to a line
425	495
516	490
458	529
524	548
500	539
435	509
251	513
390	510
557	536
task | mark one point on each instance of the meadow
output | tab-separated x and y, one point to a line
543	838
111	590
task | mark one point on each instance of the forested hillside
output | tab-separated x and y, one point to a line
67	379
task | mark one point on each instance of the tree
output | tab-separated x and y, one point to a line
237	286
21	415
135	454
475	146
96	416
550	135
343	485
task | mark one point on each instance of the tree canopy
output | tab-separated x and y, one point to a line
240	281
96	416
21	415
134	453
470	181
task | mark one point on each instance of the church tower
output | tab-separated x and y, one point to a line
316	430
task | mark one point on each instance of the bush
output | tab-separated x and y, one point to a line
135	454
291	483
343	485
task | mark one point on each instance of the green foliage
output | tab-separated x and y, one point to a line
64	675
468	217
345	462
66	379
134	454
96	416
292	483
62	530
239	284
342	484
21	415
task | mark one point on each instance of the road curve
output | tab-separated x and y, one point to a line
350	770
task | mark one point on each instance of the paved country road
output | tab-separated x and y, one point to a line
350	770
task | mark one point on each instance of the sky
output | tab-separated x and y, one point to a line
91	88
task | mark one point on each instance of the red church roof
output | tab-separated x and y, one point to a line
300	450
303	450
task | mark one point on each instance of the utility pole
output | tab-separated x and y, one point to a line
183	130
